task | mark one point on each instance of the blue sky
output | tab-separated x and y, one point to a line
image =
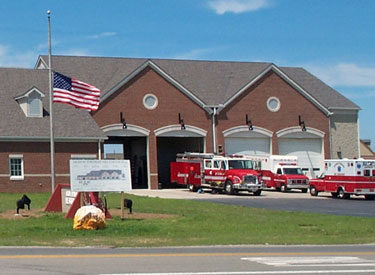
333	39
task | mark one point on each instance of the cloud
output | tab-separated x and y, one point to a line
369	94
101	35
9	58
237	6
195	54
345	74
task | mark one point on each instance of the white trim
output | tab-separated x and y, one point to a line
83	156
46	139
162	73
16	156
278	104
130	127
243	128
28	92
274	68
153	107
40	62
297	129
177	127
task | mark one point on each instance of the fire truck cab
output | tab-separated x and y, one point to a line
281	172
230	174
346	177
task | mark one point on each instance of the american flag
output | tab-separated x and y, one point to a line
75	92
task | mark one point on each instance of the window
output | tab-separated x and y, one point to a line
35	105
367	173
279	171
150	101
208	164
216	163
273	104
16	167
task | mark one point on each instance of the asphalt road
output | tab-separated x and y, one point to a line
270	199
352	259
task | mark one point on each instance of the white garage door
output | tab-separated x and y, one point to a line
308	151
246	145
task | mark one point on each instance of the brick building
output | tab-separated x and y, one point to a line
155	108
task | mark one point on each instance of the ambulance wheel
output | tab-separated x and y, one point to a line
229	187
283	188
258	192
342	195
313	191
192	188
370	197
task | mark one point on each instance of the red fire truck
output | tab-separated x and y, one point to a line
230	174
281	172
346	177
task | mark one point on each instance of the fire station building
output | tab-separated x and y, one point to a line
153	109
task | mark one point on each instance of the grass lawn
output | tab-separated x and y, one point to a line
184	223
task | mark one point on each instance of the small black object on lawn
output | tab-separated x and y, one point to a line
21	203
129	204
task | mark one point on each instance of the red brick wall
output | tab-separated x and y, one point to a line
254	103
36	161
171	101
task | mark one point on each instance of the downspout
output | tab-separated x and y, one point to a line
359	137
214	109
99	150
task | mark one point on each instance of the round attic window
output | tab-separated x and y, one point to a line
150	101
273	104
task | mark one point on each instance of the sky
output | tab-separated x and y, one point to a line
332	39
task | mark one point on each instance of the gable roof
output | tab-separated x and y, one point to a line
208	83
69	123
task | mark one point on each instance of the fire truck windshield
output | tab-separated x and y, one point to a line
293	171
240	164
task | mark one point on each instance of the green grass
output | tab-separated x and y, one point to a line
191	223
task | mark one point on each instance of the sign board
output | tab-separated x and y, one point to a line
100	175
67	198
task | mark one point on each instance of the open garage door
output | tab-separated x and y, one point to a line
133	149
308	151
168	148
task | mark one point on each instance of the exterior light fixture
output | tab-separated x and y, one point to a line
181	122
248	122
301	124
122	119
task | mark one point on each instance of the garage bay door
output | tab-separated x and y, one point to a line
246	145
308	151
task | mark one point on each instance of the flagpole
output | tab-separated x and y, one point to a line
52	143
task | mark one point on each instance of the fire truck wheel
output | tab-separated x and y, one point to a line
334	195
258	192
304	190
283	188
229	187
313	191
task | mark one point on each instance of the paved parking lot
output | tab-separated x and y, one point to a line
269	199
